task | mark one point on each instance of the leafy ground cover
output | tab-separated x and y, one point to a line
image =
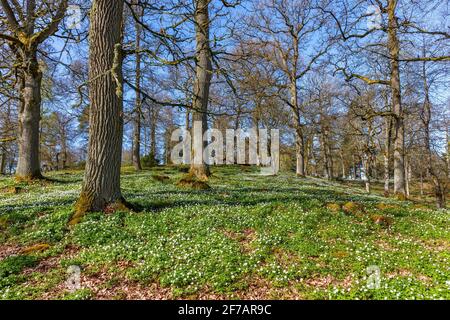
247	236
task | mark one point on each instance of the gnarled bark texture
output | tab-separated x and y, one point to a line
27	35
28	164
101	185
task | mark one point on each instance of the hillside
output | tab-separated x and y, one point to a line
249	236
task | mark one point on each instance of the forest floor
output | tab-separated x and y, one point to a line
248	237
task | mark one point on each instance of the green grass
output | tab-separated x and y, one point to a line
249	236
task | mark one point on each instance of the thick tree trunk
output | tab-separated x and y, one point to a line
203	74
23	25
29	117
399	129
138	104
101	186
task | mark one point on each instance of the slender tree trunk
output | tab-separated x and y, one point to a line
387	154
203	74
136	154
439	188
299	137
64	148
326	150
101	186
421	183
399	129
307	156
3	161
313	157
167	145
343	171
447	136
187	120
29	117
153	123
367	169
407	175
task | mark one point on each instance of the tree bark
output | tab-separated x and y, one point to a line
25	48
407	175
326	151
299	136
439	188
447	137
343	171
399	129
203	75
101	186
63	137
153	123
3	162
138	103
387	154
29	118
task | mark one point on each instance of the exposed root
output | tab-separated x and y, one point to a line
12	190
160	178
401	196
29	178
200	172
40	247
85	204
191	181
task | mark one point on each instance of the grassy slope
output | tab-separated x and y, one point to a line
248	237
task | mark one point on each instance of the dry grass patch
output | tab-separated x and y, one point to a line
352	208
333	207
245	238
160	178
329	281
192	182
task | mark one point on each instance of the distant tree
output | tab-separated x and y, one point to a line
28	27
